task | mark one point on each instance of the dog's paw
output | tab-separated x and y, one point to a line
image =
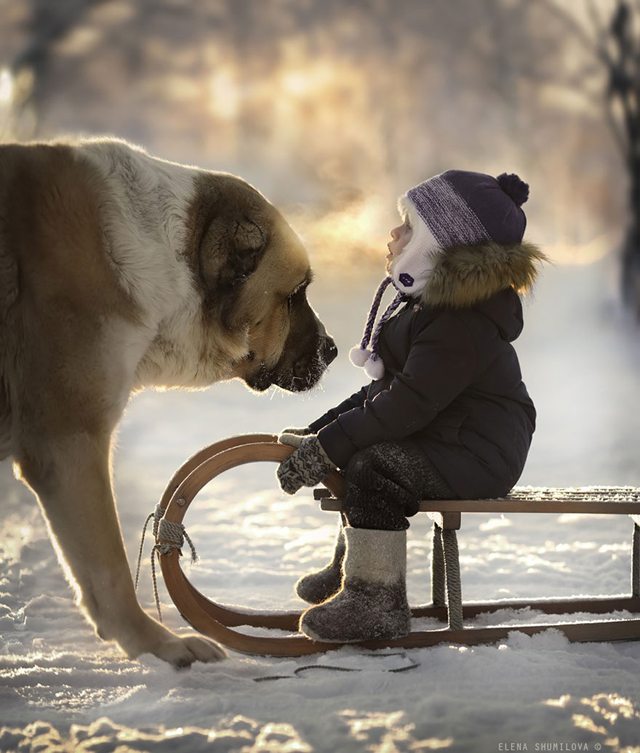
146	636
182	652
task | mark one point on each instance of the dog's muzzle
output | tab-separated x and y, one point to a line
329	350
302	375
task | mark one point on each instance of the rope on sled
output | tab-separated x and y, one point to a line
438	598
452	572
445	575
168	536
156	515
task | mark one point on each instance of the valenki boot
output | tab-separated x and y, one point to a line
318	586
372	603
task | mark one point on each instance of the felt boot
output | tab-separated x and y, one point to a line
372	603
318	586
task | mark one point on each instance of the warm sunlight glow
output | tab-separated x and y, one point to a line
349	238
6	86
494	523
225	95
310	79
14	538
611	706
295	83
582	254
391	730
559	702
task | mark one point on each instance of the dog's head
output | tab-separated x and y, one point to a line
254	273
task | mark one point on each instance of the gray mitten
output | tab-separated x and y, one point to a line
295	430
293	436
308	465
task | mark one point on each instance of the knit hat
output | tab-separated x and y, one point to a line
455	208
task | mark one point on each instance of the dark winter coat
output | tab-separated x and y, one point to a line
452	385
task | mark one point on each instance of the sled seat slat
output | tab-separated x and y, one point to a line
615	500
446	514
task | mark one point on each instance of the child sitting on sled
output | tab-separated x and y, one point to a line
446	415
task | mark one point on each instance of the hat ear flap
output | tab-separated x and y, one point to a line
411	269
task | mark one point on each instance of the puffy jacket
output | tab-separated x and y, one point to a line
452	385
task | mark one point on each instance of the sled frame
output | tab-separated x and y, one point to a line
219	622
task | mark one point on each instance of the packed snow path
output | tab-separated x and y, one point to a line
61	688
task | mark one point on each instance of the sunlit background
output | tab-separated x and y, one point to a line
334	108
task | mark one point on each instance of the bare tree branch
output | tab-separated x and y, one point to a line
578	31
49	23
620	137
599	25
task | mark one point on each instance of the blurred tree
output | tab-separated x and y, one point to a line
619	50
612	38
48	23
331	108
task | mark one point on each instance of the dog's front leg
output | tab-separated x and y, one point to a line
71	478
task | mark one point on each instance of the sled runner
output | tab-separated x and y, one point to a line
220	622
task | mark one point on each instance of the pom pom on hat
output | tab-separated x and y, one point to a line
359	356
371	362
514	187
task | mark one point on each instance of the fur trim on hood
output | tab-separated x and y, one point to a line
463	276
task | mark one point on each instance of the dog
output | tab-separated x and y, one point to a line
120	271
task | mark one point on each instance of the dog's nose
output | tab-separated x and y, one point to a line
329	350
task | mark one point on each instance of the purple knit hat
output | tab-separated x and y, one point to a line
465	208
458	208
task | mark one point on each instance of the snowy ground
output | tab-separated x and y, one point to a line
62	689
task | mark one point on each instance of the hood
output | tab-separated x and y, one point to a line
505	311
464	276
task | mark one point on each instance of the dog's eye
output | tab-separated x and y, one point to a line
298	293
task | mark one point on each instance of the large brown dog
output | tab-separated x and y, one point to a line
120	271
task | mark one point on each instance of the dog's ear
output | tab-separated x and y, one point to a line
247	248
231	251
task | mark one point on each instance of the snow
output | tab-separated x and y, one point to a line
63	689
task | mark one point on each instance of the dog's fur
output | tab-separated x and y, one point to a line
120	271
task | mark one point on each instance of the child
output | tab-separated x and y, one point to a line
447	415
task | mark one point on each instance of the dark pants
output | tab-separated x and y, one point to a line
385	484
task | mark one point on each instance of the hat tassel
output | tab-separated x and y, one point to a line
363	356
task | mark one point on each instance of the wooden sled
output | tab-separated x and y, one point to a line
218	621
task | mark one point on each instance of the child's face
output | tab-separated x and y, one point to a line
400	236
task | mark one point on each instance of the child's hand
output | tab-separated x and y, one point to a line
292	436
308	465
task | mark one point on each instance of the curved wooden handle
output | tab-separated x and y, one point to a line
207	616
204	454
245	451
